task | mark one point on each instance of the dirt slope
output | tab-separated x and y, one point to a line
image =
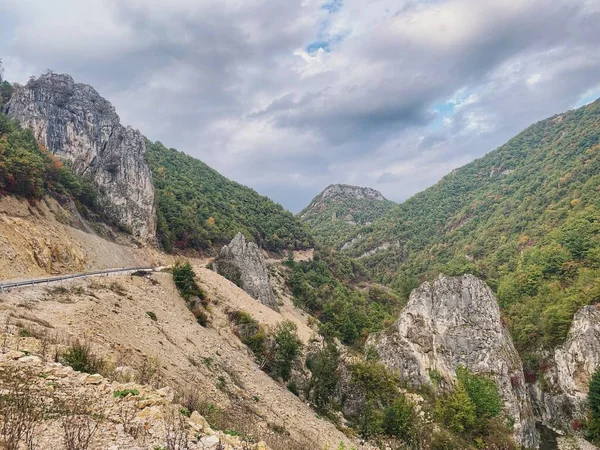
43	237
112	313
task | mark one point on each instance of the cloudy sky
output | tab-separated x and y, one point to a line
288	96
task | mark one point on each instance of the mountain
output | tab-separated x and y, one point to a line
155	193
337	211
199	208
525	217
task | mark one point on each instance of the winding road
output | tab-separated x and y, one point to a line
12	284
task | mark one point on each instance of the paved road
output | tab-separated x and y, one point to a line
7	285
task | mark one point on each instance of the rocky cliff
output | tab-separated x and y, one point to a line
243	263
75	123
456	321
559	395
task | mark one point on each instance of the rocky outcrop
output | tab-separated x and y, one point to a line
243	263
452	322
337	191
355	204
75	123
559	396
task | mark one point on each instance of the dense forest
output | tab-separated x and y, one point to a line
200	209
525	218
333	220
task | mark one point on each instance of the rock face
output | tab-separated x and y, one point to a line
456	321
75	123
243	263
562	402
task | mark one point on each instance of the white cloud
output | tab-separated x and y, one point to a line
233	82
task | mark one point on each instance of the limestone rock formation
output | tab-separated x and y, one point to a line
562	401
456	321
75	123
243	263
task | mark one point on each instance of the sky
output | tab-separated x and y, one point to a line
290	96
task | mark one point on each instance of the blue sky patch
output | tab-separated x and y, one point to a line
333	6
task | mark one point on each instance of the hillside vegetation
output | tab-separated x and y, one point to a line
198	208
335	213
525	217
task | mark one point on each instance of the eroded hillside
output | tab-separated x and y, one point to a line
116	315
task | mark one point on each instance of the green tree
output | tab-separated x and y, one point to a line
324	379
285	350
594	406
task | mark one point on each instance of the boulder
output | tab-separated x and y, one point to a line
243	263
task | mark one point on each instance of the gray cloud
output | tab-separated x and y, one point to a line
401	93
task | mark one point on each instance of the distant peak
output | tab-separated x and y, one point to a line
348	191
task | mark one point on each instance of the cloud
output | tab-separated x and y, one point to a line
289	97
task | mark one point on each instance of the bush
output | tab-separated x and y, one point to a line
399	419
184	278
250	332
81	358
456	410
482	391
276	352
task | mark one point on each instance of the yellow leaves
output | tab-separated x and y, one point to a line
210	222
160	170
575	202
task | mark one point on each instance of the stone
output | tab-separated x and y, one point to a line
152	413
167	393
30	359
76	124
13	354
94	379
244	262
199	423
452	322
209	442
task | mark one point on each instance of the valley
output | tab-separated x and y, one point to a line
466	317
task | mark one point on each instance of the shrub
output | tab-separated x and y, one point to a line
78	425
456	410
151	315
250	332
21	410
482	391
184	278
399	419
125	393
81	358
